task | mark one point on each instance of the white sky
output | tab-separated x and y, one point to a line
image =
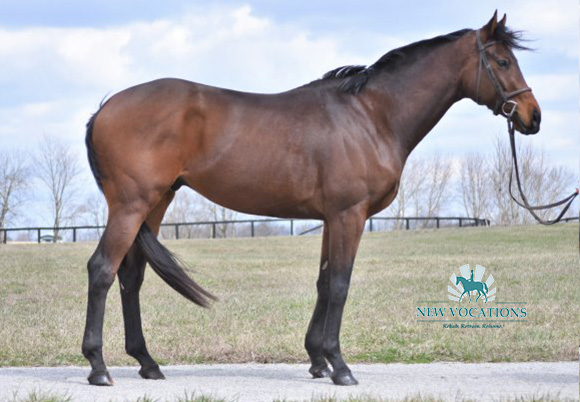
58	61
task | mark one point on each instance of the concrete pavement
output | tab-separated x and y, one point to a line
267	382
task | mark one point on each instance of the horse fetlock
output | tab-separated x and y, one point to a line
320	371
331	350
136	350
92	350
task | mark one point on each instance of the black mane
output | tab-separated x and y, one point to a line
353	78
511	39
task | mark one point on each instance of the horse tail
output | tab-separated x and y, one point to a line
486	289
169	268
91	153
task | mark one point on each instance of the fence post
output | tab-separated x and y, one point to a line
5	236
437	219
176	232
460	222
213	228
370	224
291	227
252	225
38	235
407	223
74	235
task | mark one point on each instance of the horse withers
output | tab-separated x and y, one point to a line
332	150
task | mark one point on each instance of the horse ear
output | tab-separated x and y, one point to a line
488	29
501	24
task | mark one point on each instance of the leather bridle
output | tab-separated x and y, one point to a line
505	97
500	107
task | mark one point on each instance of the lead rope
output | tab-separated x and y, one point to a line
524	203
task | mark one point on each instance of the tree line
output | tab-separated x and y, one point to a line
475	186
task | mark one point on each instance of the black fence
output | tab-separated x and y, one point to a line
236	228
240	228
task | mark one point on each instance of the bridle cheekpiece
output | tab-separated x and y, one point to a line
505	98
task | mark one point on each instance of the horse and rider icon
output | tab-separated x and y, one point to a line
469	285
473	284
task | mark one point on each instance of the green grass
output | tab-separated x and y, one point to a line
266	288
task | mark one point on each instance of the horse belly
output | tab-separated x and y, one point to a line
261	181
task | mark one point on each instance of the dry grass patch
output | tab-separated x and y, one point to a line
266	288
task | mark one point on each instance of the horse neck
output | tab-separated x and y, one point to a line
415	97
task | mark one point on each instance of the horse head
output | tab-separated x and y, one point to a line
492	76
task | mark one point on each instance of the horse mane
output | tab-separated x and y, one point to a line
353	78
510	39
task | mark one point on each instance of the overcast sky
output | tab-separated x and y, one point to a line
58	59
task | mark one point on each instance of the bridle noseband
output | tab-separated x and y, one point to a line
500	108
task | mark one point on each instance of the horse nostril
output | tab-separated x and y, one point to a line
536	118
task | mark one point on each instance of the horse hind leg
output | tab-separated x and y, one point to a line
131	276
122	228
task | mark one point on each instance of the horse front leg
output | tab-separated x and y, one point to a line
345	230
315	334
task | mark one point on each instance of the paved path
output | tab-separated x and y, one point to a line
266	382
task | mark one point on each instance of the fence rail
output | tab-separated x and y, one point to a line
213	225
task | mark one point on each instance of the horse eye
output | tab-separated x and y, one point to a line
503	63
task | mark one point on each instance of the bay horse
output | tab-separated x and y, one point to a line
331	150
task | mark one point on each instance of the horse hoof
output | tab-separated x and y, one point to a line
100	377
344	379
151	373
320	372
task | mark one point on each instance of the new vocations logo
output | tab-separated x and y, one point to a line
469	284
469	303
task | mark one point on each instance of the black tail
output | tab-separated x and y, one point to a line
91	150
167	266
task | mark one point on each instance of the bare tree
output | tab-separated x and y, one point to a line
219	213
94	213
542	182
423	189
411	186
186	207
436	195
58	168
474	185
14	177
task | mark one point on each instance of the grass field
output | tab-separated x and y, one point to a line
266	288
